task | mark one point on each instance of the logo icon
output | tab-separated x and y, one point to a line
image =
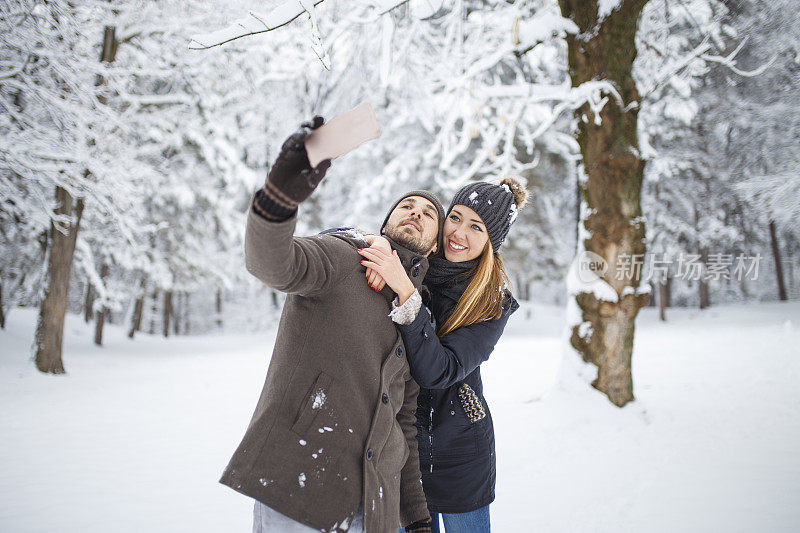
591	266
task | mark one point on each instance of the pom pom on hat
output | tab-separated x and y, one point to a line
517	189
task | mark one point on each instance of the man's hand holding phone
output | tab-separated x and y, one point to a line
291	180
342	134
306	156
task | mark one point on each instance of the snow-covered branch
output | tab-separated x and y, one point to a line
729	61
777	196
672	69
19	68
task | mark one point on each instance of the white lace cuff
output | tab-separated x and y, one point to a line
406	313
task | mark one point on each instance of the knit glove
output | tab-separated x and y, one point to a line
422	526
291	180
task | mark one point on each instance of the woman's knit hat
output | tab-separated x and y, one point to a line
497	205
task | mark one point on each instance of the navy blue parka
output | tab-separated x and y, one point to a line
454	426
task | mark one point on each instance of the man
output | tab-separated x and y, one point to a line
332	440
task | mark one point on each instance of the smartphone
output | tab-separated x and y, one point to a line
342	134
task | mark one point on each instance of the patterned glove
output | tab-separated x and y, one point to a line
291	180
422	526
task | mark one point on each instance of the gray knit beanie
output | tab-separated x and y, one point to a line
434	200
497	205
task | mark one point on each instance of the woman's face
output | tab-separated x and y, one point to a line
464	234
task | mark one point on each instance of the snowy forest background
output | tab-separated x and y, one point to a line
162	146
129	153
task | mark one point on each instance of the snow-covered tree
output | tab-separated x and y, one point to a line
59	145
162	147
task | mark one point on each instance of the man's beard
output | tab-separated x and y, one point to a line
408	241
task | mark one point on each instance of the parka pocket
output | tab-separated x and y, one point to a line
471	403
313	404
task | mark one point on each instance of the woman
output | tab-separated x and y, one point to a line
448	334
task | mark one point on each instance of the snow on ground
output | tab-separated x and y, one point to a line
710	444
135	436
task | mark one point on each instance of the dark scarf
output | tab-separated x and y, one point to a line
446	282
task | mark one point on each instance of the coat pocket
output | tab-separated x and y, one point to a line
313	404
395	452
471	403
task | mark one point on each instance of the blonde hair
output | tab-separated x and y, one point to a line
483	298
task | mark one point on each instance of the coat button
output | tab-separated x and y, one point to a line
399	351
385	398
370	453
415	271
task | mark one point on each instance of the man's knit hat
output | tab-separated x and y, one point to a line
436	203
497	205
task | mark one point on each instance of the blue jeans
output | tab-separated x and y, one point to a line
476	521
268	520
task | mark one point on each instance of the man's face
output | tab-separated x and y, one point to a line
414	224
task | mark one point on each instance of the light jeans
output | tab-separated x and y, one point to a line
476	521
268	520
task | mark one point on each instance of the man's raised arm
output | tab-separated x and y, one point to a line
272	254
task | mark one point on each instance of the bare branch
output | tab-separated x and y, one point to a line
254	24
277	17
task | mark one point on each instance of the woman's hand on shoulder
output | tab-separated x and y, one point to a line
388	266
378	241
375	280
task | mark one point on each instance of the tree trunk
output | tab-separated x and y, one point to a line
88	302
50	327
167	311
136	320
743	287
790	271
663	297
776	256
578	200
107	54
110	44
703	294
19	281
177	309
605	50
186	315
219	308
2	312
702	287
523	288
100	319
153	312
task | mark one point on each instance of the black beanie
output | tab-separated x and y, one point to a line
497	205
436	203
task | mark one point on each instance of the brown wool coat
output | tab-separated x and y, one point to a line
334	426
